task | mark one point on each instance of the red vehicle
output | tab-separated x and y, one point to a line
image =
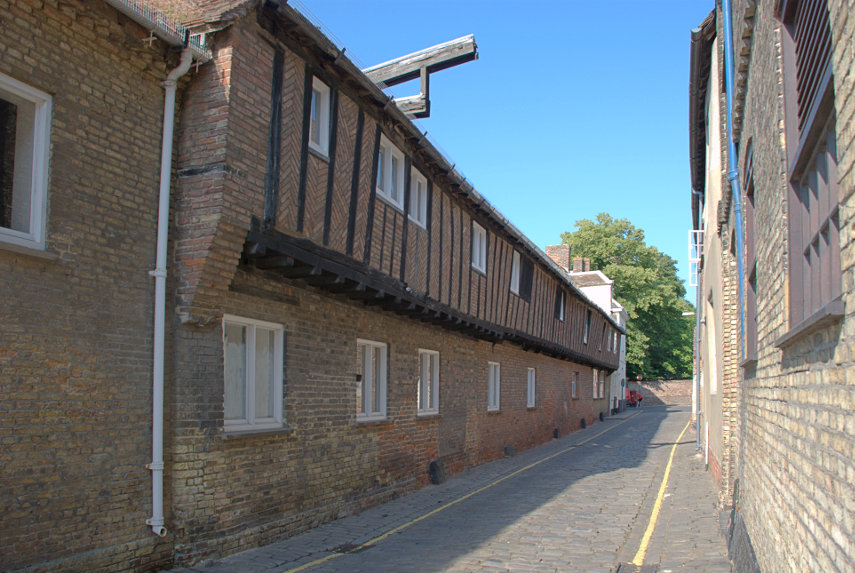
632	397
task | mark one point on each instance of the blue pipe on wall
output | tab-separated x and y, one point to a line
733	172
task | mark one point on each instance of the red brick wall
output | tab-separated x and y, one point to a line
75	340
236	493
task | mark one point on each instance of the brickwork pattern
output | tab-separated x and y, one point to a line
75	342
235	493
796	468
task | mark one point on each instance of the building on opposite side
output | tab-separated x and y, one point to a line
772	187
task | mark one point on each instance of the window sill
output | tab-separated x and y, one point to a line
373	421
531	408
254	432
494	412
428	415
420	224
750	360
479	271
28	251
389	201
829	314
322	155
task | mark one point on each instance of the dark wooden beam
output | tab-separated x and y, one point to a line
433	59
308	76
274	147
299	258
274	262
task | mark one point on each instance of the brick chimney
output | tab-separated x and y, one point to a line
581	264
560	254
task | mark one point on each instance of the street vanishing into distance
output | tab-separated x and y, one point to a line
583	502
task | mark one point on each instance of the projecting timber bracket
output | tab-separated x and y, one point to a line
420	65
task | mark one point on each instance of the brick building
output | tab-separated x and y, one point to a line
346	317
776	402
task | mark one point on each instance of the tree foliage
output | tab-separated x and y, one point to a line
659	338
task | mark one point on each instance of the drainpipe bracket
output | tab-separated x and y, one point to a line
155	466
733	174
158	273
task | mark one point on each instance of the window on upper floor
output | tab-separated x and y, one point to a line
560	303
370	380
428	389
418	198
479	247
252	363
25	114
750	261
530	388
587	326
390	174
319	118
813	217
494	386
515	273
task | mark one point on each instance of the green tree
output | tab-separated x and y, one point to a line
659	338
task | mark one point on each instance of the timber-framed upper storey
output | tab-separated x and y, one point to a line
343	220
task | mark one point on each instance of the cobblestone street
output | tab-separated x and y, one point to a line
579	503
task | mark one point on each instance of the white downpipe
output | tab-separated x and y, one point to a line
159	274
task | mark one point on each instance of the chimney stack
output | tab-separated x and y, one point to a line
560	254
581	264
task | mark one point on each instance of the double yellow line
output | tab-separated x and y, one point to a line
403	526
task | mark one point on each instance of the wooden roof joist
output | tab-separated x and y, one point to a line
433	59
420	65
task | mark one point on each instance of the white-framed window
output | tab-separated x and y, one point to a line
390	174
370	380
479	247
24	150
599	379
428	389
319	118
418	198
494	385
515	273
530	389
574	385
253	353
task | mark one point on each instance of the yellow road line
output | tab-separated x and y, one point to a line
394	530
638	560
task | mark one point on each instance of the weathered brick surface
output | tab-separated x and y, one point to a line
795	421
75	341
235	493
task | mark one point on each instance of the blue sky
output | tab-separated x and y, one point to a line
573	108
